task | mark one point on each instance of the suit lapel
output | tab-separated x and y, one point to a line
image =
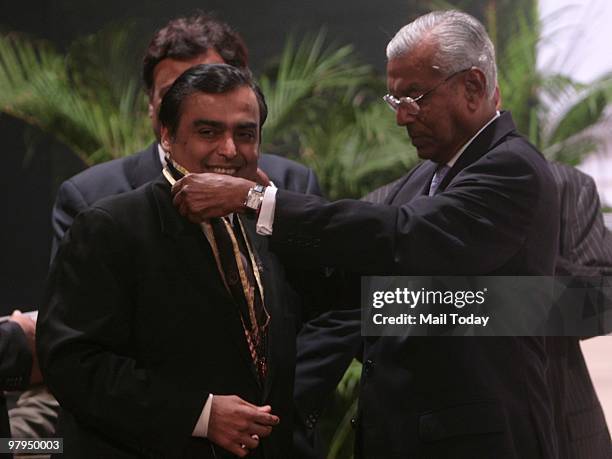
415	184
493	134
196	259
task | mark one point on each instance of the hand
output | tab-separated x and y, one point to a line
28	325
202	196
262	178
237	425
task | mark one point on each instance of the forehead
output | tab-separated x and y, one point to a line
412	70
238	106
169	69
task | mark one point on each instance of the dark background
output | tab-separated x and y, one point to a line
34	164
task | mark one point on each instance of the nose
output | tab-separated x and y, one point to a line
227	147
403	117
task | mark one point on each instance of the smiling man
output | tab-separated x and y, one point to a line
163	338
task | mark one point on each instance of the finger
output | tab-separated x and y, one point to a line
178	197
237	450
183	206
179	185
262	178
265	409
260	431
249	442
249	404
16	313
266	419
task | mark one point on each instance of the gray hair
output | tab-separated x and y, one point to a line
461	42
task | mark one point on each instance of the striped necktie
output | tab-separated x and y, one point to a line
238	267
441	172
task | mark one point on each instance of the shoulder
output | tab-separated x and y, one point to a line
270	163
289	175
128	205
516	157
104	179
567	176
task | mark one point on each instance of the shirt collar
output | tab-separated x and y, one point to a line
451	162
162	155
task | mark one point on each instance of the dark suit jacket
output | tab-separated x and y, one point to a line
15	366
137	328
585	249
130	172
496	212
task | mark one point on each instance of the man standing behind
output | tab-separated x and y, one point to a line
180	44
482	203
162	338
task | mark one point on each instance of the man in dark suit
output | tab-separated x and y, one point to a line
143	337
585	249
482	203
180	44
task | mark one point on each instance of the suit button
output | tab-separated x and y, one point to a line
354	423
368	367
311	420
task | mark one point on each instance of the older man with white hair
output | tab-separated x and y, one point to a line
483	202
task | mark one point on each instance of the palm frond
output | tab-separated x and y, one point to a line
39	87
308	70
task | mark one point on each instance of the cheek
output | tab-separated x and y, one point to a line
250	155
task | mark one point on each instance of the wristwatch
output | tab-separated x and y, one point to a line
255	197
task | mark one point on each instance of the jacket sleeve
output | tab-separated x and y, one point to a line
474	227
68	203
15	357
85	343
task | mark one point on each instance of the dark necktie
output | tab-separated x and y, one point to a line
241	275
441	172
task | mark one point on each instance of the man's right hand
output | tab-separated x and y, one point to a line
237	425
29	329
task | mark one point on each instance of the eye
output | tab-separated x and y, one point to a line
207	133
246	136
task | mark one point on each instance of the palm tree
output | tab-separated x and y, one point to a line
82	98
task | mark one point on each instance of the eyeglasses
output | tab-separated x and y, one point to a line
411	105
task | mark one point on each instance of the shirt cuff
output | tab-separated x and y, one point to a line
265	221
201	427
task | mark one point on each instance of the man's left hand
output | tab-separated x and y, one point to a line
202	196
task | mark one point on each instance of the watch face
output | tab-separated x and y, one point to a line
254	198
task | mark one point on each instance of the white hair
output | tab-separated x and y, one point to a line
461	42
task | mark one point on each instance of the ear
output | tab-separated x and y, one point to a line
166	139
497	98
475	87
151	110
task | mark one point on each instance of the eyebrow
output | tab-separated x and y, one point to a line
247	125
219	124
203	122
